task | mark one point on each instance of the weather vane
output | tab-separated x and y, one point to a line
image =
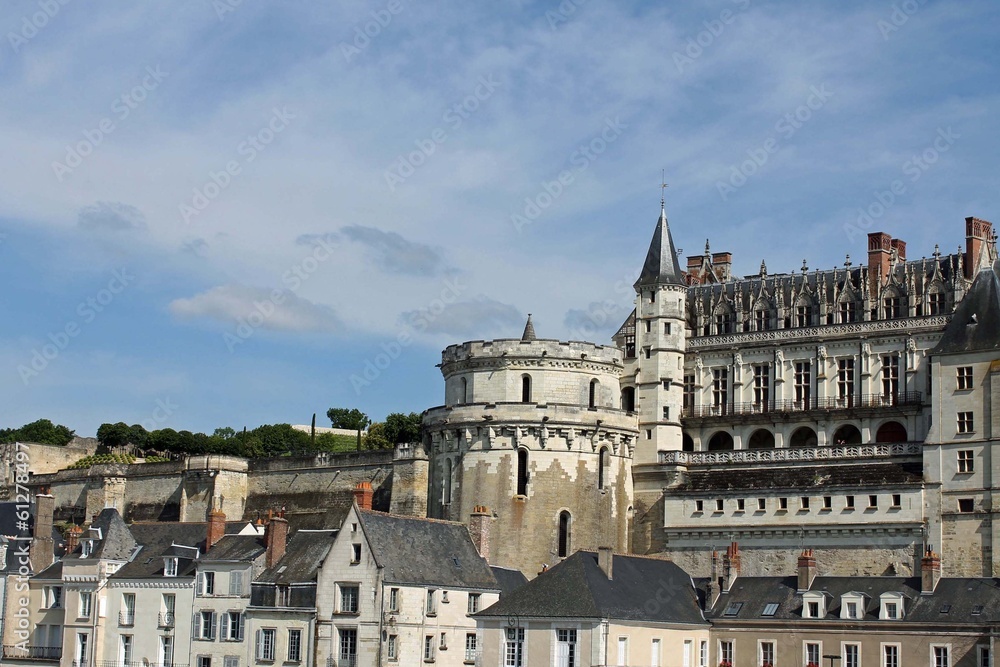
663	186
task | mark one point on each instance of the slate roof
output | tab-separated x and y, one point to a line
661	266
236	548
508	579
157	540
962	594
425	552
642	589
116	541
304	554
975	326
869	475
53	571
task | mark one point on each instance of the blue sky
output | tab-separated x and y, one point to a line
233	213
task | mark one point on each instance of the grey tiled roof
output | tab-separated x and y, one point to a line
425	552
236	548
975	326
116	541
157	540
642	589
953	600
661	266
304	554
508	579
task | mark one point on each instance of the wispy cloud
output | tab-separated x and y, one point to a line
235	303
395	254
110	216
483	317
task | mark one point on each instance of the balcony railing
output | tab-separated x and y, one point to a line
852	402
14	652
166	619
119	663
126	618
791	454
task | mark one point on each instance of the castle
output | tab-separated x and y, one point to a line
849	410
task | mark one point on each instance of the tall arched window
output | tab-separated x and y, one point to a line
522	472
593	393
564	526
465	390
526	389
447	482
602	465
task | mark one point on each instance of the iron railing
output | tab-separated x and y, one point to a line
126	618
15	652
787	454
851	402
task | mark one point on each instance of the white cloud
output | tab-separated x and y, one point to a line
279	310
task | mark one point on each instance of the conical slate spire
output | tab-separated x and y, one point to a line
661	266
529	330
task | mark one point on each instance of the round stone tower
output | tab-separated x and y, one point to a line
533	430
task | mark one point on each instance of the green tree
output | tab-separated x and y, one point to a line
224	433
400	428
351	418
114	436
42	431
375	437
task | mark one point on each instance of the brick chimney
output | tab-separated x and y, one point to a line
977	235
479	528
216	528
275	538
73	538
606	561
723	263
730	566
714	583
363	495
807	570
930	572
42	550
879	254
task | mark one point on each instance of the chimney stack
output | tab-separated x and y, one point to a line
606	560
275	538
879	254
977	236
730	566
723	263
216	528
479	528
363	495
73	538
42	550
714	584
930	572
807	570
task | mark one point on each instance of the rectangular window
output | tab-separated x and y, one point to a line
812	654
941	655
767	654
473	603
803	384
725	654
207	583
647	352
966	505
666	412
827	502
623	650
720	389
666	328
872	502
265	645
761	320
852	610
891	611
86	598
231	661
127	616
890	655
649	326
849	502
762	504
470	647
896	501
699	506
281	595
204	661
740	504
782	503
348	646
812	609
719	504
355	553
845	382
295	645
236	583
803	316
890	378
566	648
392	647
965	377
169	607
892	307
966	423
431	603
852	655
688	398
723	323
966	462
167	651
983	659
804	503
206	625
125	651
348	599
761	386
170	567
846	312
703	654
393	599
232	626
513	650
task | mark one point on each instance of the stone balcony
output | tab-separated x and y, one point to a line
792	454
857	405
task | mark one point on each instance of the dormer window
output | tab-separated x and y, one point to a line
169	567
891	606
813	605
86	548
852	606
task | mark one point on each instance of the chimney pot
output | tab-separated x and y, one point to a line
606	561
807	570
930	571
363	495
479	529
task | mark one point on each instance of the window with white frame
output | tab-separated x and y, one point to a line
393	599
720	387
761	385
86	599
52	597
813	604
726	653
471	646
206	583
231	661
566	647
891	606
232	626
429	648
845	380
966	461
392	648
940	655
964	378
125	649
983	656
444	641
166	650
766	654
473	603
966	423
811	654
431	606
803	383
513	649
851	655
294	645
169	567
348	645
204	661
703	653
348	598
890	655
622	651
265	644
127	616
890	376
205	625
851	606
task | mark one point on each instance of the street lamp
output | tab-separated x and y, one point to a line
832	657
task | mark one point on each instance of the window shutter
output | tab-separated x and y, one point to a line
243	618
214	626
201	584
259	645
225	626
196	624
236	583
